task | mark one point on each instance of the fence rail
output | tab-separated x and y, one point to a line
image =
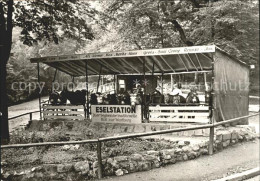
30	113
100	140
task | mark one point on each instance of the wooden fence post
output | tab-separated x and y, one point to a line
99	159
211	140
30	116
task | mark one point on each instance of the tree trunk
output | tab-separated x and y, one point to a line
3	105
6	27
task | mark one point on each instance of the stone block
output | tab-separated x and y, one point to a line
123	129
185	157
206	132
198	132
82	166
139	129
61	168
119	172
150	157
152	152
137	157
130	129
226	143
226	135
148	128
234	135
195	148
121	158
204	151
155	164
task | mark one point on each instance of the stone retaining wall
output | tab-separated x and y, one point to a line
121	165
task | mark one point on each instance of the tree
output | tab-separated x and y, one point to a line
48	20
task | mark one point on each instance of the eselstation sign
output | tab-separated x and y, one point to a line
116	113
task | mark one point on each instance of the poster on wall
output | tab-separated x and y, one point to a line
116	114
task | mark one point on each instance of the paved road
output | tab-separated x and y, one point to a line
239	157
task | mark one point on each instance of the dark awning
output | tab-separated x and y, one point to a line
166	60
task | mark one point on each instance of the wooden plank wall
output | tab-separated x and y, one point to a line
196	114
63	112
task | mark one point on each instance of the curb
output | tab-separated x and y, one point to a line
242	176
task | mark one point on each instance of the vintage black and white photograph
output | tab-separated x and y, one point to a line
129	90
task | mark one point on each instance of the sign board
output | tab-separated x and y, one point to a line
116	114
134	53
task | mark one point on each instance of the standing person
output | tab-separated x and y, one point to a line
176	90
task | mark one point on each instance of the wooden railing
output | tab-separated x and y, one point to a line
28	113
100	140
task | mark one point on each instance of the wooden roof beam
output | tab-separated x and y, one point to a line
183	63
166	63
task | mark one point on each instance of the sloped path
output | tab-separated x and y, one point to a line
237	158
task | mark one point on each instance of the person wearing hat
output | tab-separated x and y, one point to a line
176	90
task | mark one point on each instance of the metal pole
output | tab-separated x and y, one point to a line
99	156
211	107
162	82
73	83
99	76
115	83
144	95
40	107
87	90
153	76
211	140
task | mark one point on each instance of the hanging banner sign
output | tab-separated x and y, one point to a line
116	113
134	53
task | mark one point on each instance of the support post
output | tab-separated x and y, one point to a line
40	106
211	140
144	95
115	83
153	76
99	76
162	83
87	90
99	156
30	116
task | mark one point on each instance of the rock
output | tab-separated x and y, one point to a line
226	143
178	150
132	166
219	137
185	157
186	149
3	163
35	169
179	158
170	152
167	157
187	142
181	143
121	158
112	162
95	164
150	157
226	135
61	168
155	164
234	136
192	155
152	152
137	157
203	151
119	172
146	166
82	166
139	129
195	148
